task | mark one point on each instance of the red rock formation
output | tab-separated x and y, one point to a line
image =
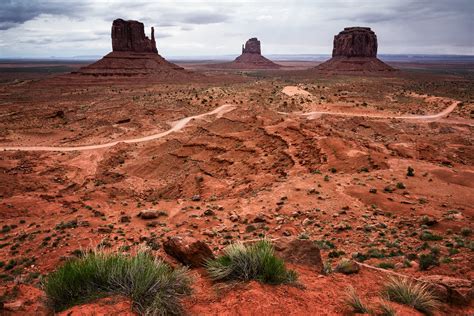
355	42
129	36
355	49
251	58
133	54
252	46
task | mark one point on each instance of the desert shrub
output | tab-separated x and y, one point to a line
428	260
466	231
416	295
410	172
386	265
354	301
152	285
426	235
250	262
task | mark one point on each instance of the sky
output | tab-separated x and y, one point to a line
68	28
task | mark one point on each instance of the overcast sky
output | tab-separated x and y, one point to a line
44	28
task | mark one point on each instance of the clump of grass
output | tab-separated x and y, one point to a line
356	303
250	262
152	285
416	295
385	309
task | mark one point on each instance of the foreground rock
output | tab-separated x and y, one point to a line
452	290
300	251
133	54
355	49
188	250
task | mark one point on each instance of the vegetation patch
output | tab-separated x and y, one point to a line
152	285
416	295
250	262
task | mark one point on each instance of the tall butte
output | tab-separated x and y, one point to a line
133	54
251	58
355	49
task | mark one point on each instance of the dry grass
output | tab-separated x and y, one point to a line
414	294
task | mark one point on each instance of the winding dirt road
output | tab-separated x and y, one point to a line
176	126
179	125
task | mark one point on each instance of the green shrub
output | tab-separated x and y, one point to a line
152	285
426	235
416	295
250	262
428	260
386	265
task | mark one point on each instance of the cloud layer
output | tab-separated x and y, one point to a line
34	28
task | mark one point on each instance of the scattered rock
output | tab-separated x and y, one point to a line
347	266
188	250
300	251
453	290
151	214
196	198
125	219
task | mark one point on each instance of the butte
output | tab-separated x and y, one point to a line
133	54
251	58
355	49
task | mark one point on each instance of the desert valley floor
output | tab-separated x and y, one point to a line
378	168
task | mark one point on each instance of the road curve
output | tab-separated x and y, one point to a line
432	117
176	126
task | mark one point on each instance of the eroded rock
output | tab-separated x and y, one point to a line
300	251
188	250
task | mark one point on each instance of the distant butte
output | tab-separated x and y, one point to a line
133	54
355	49
251	58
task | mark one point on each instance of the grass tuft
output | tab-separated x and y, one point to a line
250	262
416	295
385	309
355	302
152	285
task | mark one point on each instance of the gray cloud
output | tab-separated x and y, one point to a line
212	27
205	18
15	12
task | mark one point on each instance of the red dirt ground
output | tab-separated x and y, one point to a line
308	176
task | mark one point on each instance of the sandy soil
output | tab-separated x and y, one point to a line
332	169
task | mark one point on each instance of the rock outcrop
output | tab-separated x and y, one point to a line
355	49
129	36
134	54
251	58
355	42
252	46
188	250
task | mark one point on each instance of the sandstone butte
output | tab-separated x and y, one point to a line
133	53
251	58
355	49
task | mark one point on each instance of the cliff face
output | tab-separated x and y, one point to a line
129	36
355	42
133	54
355	50
252	46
